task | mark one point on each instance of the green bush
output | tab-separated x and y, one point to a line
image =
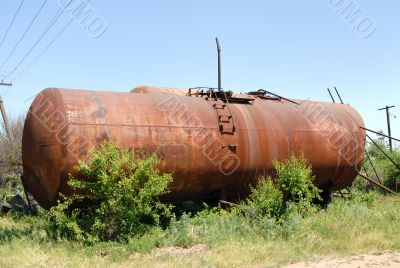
295	181
291	192
266	199
179	232
117	195
363	198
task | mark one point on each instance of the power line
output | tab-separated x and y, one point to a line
49	26
47	29
29	66
12	22
23	35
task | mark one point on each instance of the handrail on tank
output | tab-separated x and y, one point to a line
262	93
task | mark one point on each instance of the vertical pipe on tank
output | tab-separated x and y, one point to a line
219	65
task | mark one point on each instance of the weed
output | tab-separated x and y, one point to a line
121	196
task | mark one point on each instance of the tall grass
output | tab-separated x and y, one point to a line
347	227
276	225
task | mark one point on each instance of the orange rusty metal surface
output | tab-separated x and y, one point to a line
150	89
64	126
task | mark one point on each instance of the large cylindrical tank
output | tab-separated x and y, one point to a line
209	145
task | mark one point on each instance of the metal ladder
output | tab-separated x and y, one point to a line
225	118
220	103
226	123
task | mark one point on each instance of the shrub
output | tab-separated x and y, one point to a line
117	195
266	199
363	198
295	181
291	192
179	232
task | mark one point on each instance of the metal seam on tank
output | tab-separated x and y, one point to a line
58	96
138	125
263	136
37	175
339	161
270	126
340	165
261	117
357	135
212	126
282	128
244	134
317	130
350	122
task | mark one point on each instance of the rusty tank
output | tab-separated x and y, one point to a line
210	141
151	89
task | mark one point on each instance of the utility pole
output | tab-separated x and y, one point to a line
11	139
4	114
387	108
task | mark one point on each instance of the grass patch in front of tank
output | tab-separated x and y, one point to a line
346	228
277	224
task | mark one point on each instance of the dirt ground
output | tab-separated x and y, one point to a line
370	261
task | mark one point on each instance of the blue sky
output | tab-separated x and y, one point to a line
294	48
